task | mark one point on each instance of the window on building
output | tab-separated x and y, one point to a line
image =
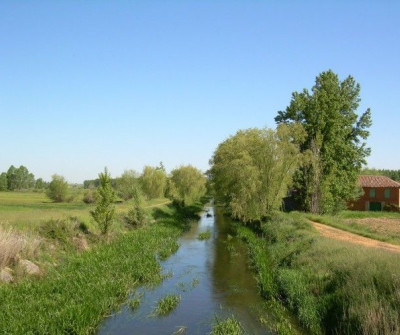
372	193
387	193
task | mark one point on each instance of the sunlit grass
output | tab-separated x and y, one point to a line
167	304
229	326
205	235
330	285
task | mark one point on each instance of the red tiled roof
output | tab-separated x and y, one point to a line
377	181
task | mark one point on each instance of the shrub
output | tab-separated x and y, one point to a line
104	212
58	189
137	215
89	197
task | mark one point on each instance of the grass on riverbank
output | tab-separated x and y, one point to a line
350	221
75	296
333	287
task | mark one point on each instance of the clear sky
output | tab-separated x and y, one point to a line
123	84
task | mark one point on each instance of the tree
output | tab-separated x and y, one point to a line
252	170
3	182
104	212
137	215
40	184
58	188
153	182
11	178
127	184
333	143
187	184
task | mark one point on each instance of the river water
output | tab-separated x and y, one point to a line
213	280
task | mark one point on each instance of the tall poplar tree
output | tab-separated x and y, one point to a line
334	148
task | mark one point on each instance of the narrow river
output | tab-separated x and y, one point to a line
213	280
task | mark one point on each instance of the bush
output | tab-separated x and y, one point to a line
89	197
58	189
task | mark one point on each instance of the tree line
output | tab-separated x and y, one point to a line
315	153
16	179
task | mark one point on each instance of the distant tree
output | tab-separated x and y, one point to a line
40	184
19	178
127	184
3	182
153	182
252	170
58	188
91	183
12	178
392	174
333	143
104	212
187	184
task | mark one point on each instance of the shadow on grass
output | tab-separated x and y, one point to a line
177	215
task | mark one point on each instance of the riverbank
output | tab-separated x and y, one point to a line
332	286
84	288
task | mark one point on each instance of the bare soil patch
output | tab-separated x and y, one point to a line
342	235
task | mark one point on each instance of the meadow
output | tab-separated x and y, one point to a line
332	287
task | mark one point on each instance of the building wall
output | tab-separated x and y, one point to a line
362	204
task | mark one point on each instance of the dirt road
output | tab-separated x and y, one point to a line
342	235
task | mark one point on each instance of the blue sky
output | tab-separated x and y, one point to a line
123	84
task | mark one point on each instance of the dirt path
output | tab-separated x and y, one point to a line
342	235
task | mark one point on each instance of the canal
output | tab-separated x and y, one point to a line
214	282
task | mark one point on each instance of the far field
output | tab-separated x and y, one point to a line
27	210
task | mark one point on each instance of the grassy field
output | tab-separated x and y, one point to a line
76	290
382	226
27	210
333	287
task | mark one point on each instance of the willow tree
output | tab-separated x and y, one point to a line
153	181
187	184
252	170
334	143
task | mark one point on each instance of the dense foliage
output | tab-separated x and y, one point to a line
252	170
16	179
154	182
333	144
187	185
58	188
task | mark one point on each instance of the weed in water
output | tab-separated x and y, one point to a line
228	326
205	235
167	304
195	282
134	303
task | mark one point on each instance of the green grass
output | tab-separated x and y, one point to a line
135	302
75	296
229	326
27	210
205	235
368	214
356	228
333	287
167	304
